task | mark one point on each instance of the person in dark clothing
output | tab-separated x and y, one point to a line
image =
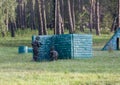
53	54
35	45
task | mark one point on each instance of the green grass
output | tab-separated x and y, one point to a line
20	69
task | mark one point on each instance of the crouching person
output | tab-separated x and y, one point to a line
53	54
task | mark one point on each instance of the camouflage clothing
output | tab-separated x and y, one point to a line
53	54
35	45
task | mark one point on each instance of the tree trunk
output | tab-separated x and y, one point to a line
62	15
91	14
94	13
40	22
6	20
58	19
73	14
12	29
32	15
71	29
80	5
23	17
42	29
56	30
80	10
43	17
19	13
53	15
97	18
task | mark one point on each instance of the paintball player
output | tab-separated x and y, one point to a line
53	54
35	45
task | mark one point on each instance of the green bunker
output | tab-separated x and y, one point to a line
69	46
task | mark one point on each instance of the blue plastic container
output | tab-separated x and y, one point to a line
30	50
23	49
33	38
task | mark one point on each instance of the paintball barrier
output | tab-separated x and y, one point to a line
114	42
69	46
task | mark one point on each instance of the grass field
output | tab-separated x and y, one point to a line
19	69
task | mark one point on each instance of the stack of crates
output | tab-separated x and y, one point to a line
69	46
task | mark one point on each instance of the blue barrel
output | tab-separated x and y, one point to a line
30	50
33	38
23	49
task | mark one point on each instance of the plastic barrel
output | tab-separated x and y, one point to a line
23	49
30	50
33	38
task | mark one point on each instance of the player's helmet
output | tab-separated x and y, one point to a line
37	38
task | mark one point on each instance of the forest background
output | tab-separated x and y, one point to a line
59	16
